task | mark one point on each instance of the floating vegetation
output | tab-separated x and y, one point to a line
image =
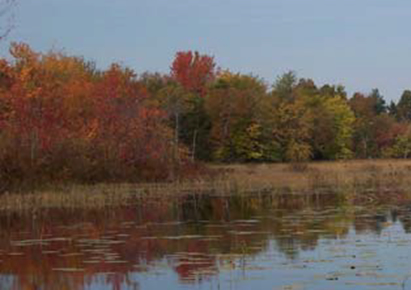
71	255
276	240
68	270
182	237
15	254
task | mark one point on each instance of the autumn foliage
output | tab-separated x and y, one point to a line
193	71
62	119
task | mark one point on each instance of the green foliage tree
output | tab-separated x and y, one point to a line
292	132
342	120
404	106
366	110
333	90
285	85
402	146
235	105
379	102
392	109
331	121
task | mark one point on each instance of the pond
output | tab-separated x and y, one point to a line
256	241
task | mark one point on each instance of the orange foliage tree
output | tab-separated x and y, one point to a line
61	118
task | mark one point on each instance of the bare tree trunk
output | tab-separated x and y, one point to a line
193	153
176	138
175	152
365	147
33	147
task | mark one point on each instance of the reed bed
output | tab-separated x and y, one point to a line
354	178
352	175
106	195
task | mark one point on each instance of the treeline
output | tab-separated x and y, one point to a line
230	117
61	119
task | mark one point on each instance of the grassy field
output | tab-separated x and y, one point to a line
350	177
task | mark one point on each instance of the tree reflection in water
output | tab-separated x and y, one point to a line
196	236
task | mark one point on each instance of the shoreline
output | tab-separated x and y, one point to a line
348	177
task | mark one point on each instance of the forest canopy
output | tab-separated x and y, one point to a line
61	118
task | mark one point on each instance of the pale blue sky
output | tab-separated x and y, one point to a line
359	43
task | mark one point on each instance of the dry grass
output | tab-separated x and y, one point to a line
350	176
317	175
104	195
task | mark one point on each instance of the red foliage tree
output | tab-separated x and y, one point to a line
193	71
62	119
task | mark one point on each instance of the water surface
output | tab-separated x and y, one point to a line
260	241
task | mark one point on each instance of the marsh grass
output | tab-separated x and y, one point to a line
105	195
348	175
368	179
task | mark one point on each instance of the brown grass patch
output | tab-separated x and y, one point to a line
350	177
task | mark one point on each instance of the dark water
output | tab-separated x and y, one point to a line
210	242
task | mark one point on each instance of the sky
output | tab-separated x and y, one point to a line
362	44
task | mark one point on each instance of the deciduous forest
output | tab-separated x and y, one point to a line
63	119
